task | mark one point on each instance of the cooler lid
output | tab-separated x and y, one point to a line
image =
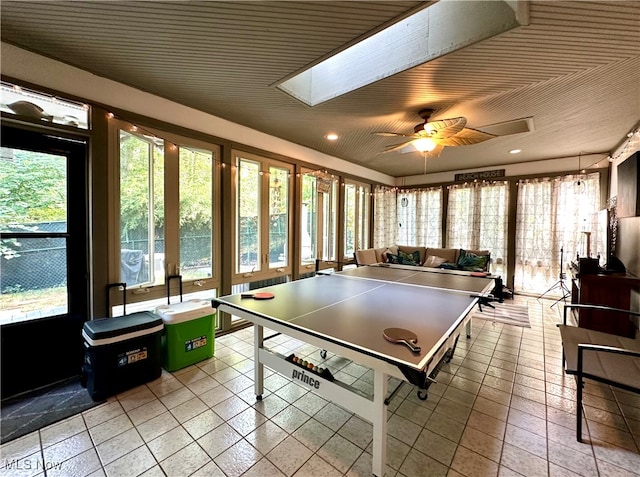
103	328
184	311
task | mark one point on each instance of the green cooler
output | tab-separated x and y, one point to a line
188	333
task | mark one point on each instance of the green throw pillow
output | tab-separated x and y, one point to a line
404	258
471	262
449	266
412	258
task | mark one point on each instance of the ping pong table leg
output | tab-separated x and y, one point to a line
379	423
469	329
258	342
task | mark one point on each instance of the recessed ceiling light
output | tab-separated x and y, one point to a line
331	136
515	151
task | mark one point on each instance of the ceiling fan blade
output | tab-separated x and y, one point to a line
467	137
445	128
390	134
396	147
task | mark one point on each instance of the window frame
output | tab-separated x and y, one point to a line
323	238
172	143
266	271
362	222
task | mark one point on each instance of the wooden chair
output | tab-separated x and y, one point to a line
602	357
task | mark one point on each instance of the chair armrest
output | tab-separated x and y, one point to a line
618	370
596	307
607	349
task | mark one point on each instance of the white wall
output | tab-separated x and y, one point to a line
549	166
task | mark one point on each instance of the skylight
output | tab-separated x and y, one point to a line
441	28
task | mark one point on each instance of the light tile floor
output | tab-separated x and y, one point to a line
502	407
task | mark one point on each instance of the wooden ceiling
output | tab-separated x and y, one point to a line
573	72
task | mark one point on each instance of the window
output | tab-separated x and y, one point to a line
248	217
477	220
142	260
385	221
31	104
418	38
551	215
262	218
356	217
166	214
318	220
278	244
420	217
196	219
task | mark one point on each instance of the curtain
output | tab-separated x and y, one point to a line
384	216
477	220
551	216
420	217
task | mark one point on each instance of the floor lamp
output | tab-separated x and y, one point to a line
560	283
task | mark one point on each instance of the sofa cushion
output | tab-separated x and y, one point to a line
473	262
449	254
381	255
422	252
366	256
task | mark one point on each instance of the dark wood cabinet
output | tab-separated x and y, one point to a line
612	290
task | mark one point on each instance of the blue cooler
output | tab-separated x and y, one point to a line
121	353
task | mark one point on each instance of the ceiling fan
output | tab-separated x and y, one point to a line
431	137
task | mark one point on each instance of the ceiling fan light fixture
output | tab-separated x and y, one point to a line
425	144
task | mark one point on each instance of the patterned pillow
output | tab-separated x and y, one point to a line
403	258
393	258
433	261
449	266
471	262
412	258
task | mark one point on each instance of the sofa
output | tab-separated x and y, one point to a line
449	258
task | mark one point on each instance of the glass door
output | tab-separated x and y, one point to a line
43	258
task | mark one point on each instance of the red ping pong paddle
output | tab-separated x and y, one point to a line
402	336
258	296
479	274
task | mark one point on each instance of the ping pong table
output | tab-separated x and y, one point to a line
346	312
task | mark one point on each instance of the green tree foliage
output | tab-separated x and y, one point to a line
32	187
136	152
248	187
350	218
196	171
135	156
